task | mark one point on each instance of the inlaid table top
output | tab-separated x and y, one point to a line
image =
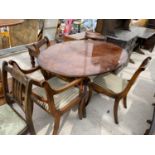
10	22
82	58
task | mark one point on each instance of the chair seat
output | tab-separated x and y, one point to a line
110	82
10	122
61	99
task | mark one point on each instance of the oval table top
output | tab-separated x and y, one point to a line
10	22
82	58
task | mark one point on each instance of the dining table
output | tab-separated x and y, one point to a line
82	59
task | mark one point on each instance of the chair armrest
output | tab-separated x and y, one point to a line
69	85
37	82
28	71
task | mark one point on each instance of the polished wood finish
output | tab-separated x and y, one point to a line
50	92
19	93
10	22
82	58
121	95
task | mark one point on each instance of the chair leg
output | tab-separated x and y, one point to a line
32	61
116	110
124	102
30	124
29	113
31	128
56	124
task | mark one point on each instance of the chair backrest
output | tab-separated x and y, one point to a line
21	86
39	46
42	44
141	68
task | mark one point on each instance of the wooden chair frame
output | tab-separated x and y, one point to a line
19	93
50	92
34	49
121	95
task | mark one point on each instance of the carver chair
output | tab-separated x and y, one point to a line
116	87
11	122
56	96
36	48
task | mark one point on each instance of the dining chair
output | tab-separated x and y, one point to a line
56	96
113	86
36	48
11	122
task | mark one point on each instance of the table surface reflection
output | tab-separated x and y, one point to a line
82	58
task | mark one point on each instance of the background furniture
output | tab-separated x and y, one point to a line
115	87
108	26
11	121
25	33
144	34
5	41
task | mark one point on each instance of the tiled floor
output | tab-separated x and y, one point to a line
100	109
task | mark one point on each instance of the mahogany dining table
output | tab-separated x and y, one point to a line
82	58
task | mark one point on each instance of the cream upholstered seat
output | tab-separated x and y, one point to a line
111	82
55	96
10	122
60	99
115	87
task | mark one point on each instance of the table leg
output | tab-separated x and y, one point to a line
87	95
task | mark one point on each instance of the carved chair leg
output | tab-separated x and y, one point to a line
115	110
56	124
124	102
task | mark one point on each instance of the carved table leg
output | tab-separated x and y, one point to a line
87	95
